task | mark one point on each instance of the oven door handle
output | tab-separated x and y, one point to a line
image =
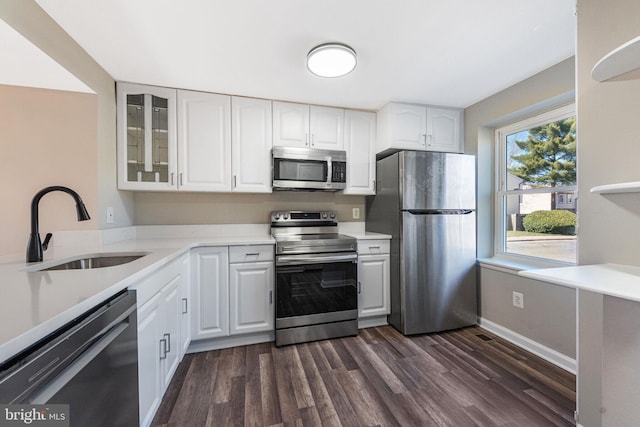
314	259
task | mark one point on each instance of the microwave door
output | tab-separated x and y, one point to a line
299	173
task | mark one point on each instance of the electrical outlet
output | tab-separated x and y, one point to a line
518	300
110	215
355	213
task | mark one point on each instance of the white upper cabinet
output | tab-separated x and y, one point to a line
290	124
147	142
443	130
419	127
408	126
301	125
204	141
359	142
327	127
251	138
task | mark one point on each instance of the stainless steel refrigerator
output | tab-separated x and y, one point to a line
426	201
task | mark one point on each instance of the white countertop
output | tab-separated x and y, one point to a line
36	303
622	281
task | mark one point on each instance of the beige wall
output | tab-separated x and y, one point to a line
212	208
549	314
32	22
609	225
47	137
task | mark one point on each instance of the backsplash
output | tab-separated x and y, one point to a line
217	208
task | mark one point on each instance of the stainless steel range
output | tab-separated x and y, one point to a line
316	278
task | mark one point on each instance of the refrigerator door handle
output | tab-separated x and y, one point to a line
440	211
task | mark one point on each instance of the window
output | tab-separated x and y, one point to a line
536	203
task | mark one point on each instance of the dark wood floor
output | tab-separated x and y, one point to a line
380	378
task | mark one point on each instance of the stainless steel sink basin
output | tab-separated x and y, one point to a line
95	261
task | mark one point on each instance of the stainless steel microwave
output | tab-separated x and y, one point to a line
309	169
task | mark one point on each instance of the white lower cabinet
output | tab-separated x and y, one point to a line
373	280
159	334
233	287
251	297
185	306
210	290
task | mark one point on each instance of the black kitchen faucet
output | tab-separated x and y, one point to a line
35	246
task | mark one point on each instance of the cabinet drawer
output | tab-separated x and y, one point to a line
368	247
251	253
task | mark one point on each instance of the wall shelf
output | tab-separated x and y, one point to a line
623	62
621	187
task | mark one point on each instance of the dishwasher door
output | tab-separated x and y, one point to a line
91	365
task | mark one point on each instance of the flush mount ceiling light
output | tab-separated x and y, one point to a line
331	60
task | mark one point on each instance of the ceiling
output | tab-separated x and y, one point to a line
443	52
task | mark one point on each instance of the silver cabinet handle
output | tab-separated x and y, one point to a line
168	343
252	254
312	143
163	349
270	297
172	175
359	287
306	139
234	181
424	137
181	180
374	247
430	140
185	306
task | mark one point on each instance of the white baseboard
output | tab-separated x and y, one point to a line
371	322
230	341
548	354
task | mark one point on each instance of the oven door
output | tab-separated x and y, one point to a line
316	288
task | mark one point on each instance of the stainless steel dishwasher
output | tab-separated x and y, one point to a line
91	364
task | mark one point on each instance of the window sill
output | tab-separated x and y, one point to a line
513	265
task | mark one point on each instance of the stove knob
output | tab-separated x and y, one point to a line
332	215
324	215
285	216
276	216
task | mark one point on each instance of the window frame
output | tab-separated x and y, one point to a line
501	192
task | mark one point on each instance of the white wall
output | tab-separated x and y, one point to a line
608	226
551	325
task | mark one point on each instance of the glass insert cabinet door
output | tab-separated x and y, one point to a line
146	137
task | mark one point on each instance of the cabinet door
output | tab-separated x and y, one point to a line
204	130
251	144
408	126
147	147
149	353
373	285
172	315
251	297
327	127
360	140
185	305
210	281
290	124
443	130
